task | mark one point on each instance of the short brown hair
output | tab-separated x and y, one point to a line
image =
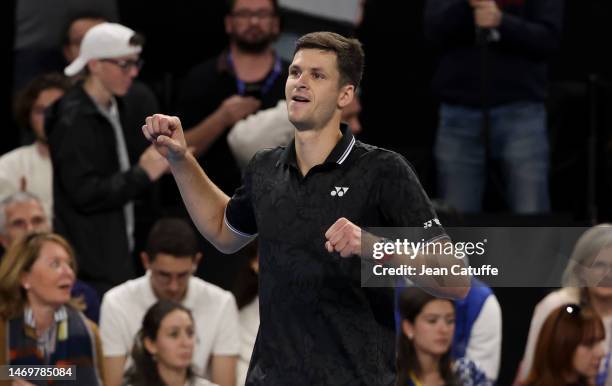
348	52
172	236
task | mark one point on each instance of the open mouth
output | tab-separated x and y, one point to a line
65	287
300	99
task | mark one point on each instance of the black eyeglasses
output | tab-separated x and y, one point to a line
261	14
125	65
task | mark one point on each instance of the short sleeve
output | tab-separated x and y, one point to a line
114	330
227	340
404	203
239	213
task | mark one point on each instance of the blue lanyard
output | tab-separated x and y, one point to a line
267	83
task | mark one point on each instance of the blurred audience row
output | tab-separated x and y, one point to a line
169	325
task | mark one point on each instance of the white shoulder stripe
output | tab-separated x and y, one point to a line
347	151
236	231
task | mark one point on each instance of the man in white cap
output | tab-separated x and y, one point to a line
97	173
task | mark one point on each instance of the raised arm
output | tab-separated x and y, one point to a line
205	202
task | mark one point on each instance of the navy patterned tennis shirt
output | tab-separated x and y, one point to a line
318	325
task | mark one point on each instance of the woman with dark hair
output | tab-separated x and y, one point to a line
28	168
569	348
164	348
423	357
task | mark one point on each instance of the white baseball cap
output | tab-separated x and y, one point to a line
106	40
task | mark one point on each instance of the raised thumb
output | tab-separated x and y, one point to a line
164	140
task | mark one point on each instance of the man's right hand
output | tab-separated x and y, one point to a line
166	135
236	108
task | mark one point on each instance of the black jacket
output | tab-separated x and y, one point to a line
530	33
89	190
204	89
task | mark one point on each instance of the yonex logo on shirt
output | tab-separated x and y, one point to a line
429	224
339	191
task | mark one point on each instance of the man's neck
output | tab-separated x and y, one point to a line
252	67
312	147
97	91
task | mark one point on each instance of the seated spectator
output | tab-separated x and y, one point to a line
586	281
98	176
478	328
424	355
40	324
164	347
171	257
28	168
569	348
21	214
246	292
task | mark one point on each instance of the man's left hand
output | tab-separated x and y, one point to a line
343	237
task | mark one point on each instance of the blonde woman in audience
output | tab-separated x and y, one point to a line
39	322
587	281
164	347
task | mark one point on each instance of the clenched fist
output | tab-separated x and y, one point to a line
343	237
166	134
